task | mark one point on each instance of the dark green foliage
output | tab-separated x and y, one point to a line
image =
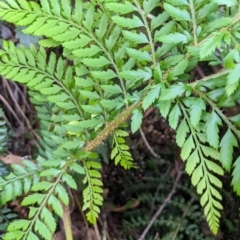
6	216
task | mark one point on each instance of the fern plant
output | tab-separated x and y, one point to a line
119	58
181	219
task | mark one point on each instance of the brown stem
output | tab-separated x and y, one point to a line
147	144
67	223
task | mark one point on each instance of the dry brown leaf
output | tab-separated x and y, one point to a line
12	159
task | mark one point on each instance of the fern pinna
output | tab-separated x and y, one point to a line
120	58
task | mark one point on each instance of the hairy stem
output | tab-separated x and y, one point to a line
222	72
121	118
193	22
148	32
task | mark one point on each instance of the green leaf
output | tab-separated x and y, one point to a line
192	162
149	5
122	8
77	168
173	92
212	166
87	52
178	69
32	199
72	144
229	60
96	62
16	235
158	74
104	75
137	75
206	10
69	180
101	31
196	111
112	40
58	98
152	95
164	107
187	148
62	194
112	104
212	129
166	29
176	13
233	80
182	131
236	176
84	82
136	120
113	89
42	229
41	186
93	164
178	2
139	55
134	22
95	109
19	224
32	236
228	3
89	123
174	116
138	38
210	152
226	151
217	23
89	94
211	44
78	43
197	175
174	38
159	20
48	219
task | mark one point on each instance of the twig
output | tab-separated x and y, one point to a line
104	229
67	223
21	112
162	206
97	232
147	144
11	110
156	236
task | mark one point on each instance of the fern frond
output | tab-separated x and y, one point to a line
120	151
201	167
92	194
45	194
20	180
